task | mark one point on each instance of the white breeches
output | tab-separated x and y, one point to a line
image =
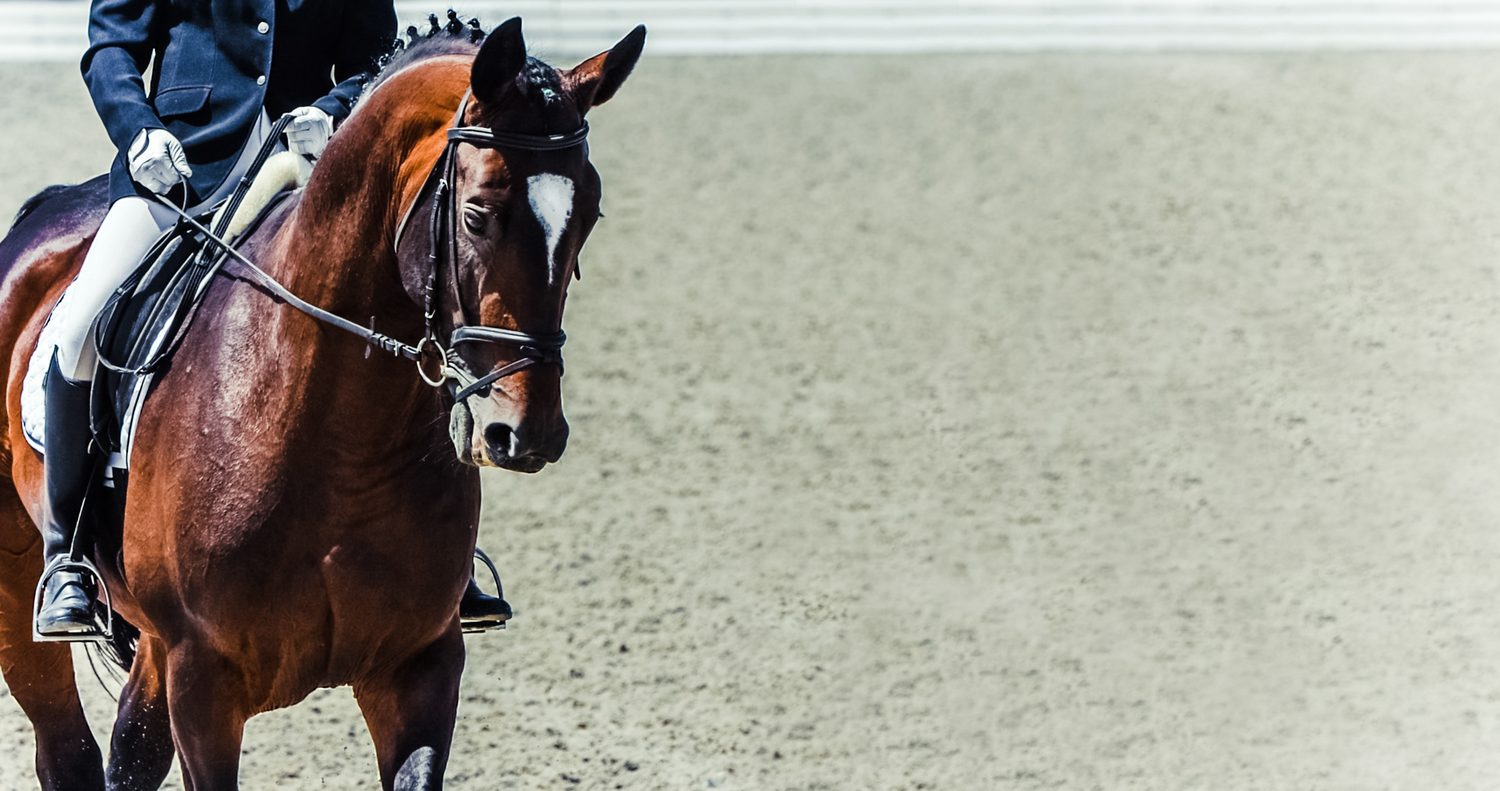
132	225
127	233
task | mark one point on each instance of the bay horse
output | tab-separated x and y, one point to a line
297	516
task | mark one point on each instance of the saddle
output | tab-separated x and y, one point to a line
145	321
145	318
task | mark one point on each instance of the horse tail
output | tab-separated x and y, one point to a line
120	650
114	656
35	201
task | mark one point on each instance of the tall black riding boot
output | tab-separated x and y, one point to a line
67	607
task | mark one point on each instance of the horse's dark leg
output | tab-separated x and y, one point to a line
205	693
140	751
40	675
410	713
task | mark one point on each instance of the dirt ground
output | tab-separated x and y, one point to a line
1001	422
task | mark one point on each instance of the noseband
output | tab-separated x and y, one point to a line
543	349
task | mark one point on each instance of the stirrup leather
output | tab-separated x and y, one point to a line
105	631
476	625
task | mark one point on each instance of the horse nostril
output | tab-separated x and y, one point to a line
500	438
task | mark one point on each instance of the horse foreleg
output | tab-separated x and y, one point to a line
40	675
410	713
140	751
206	697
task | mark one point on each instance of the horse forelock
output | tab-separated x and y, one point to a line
540	103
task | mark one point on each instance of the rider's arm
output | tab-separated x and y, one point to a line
366	35
121	40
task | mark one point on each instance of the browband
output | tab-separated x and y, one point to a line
489	138
479	136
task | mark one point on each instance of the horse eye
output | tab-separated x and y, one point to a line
474	220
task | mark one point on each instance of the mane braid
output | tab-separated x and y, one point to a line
423	47
539	85
539	82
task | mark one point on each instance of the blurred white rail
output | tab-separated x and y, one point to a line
55	30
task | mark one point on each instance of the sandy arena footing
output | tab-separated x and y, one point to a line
993	422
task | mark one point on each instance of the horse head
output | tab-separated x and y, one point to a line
517	211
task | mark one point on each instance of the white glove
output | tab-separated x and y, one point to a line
309	131
156	160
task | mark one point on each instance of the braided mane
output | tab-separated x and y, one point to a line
418	48
536	81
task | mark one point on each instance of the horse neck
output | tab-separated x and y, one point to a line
339	244
336	250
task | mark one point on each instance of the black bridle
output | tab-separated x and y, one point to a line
533	349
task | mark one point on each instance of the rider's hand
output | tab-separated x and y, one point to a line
156	160
309	131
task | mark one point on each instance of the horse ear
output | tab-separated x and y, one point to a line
595	80
499	61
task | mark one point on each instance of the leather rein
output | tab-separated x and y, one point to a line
534	349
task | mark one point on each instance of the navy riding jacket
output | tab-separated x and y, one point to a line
217	63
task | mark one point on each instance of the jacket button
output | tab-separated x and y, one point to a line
261	80
263	28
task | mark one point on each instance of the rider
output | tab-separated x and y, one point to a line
222	69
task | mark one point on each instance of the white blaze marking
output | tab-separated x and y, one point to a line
551	198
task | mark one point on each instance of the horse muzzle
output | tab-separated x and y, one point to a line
517	445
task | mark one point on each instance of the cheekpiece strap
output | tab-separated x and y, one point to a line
534	349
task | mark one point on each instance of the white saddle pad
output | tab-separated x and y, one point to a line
34	397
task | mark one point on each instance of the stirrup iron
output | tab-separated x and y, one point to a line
105	628
477	625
